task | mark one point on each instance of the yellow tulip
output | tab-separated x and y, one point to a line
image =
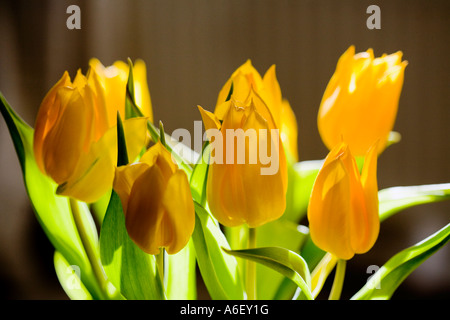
114	78
246	77
343	208
75	140
157	202
360	102
243	185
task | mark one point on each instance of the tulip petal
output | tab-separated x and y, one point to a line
242	78
124	179
272	94
141	91
370	187
145	212
136	136
289	130
67	139
180	213
113	80
46	118
101	113
225	195
210	120
94	173
268	202
357	215
328	209
160	156
225	191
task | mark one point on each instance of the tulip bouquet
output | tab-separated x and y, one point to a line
131	216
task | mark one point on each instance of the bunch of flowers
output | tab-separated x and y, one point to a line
132	217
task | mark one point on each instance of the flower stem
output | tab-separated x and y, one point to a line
160	263
251	267
338	282
93	258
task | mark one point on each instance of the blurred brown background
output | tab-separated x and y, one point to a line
191	48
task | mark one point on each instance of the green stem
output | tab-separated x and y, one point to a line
338	282
251	267
93	258
160	263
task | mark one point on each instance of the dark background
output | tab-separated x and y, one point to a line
191	48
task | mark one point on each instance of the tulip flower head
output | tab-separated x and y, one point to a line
361	100
245	184
75	137
71	137
245	78
157	202
114	79
343	208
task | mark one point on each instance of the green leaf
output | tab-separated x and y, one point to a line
131	109
387	279
219	271
69	278
312	256
395	199
132	271
99	207
200	175
52	211
279	233
181	274
122	154
301	177
282	260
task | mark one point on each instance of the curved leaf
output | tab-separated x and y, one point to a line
395	199
219	271
52	211
199	176
69	278
386	280
282	260
279	233
132	271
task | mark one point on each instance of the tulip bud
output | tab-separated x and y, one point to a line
361	100
71	138
157	202
246	77
114	79
343	208
245	184
75	138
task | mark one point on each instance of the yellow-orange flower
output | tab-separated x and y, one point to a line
114	79
246	77
157	202
75	139
343	208
361	100
247	176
